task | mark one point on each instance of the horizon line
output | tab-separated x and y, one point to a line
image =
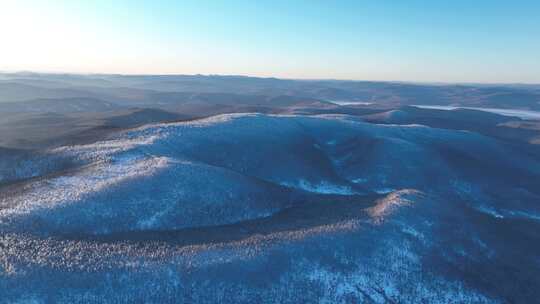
426	82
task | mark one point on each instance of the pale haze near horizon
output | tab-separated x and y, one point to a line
484	41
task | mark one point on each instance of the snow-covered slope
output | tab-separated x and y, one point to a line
326	203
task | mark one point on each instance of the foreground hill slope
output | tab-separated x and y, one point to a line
330	205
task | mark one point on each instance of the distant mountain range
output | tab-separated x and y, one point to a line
155	89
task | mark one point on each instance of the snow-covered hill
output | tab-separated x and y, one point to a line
329	204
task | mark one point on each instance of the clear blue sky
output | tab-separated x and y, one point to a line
452	41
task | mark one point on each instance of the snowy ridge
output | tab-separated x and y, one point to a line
197	210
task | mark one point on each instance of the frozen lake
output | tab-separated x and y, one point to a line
349	103
523	114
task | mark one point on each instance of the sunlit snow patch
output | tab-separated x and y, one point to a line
47	194
388	204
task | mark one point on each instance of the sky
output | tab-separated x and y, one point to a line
424	41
